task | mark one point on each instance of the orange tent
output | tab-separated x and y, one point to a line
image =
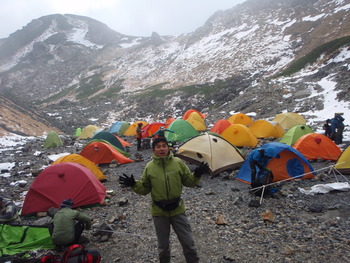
240	118
123	142
77	158
188	113
99	152
220	126
317	146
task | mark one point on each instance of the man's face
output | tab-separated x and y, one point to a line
161	149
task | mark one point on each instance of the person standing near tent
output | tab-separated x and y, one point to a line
327	128
139	132
8	210
259	158
68	225
337	126
163	177
161	132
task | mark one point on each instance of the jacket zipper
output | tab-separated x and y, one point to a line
167	183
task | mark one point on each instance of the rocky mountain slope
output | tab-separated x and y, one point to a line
248	58
22	120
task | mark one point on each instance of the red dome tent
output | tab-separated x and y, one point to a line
61	181
220	126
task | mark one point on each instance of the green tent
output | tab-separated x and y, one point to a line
77	132
182	129
294	133
18	239
109	137
52	140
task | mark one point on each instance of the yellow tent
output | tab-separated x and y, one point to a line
289	119
196	120
343	163
263	129
240	118
88	132
77	158
239	135
131	130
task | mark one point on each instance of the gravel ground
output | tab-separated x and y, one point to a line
289	227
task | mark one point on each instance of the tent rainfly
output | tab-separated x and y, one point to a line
214	150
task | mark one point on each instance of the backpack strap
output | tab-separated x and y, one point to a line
50	258
69	250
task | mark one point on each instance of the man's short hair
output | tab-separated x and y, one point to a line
158	140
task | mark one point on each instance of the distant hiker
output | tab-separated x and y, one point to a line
327	128
163	177
68	225
337	127
8	211
139	132
259	158
161	132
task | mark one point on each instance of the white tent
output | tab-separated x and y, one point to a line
212	149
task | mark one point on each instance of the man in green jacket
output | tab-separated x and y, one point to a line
164	177
68	225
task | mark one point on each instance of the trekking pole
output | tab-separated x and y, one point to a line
123	233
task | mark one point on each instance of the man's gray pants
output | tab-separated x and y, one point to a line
183	231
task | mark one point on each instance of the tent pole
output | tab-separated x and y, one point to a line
262	194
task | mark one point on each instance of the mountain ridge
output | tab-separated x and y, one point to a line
236	52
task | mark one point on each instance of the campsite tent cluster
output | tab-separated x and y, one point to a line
78	176
294	141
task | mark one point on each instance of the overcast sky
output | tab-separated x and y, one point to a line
131	17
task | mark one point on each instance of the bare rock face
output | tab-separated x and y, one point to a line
22	121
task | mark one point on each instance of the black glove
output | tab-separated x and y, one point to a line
127	180
201	169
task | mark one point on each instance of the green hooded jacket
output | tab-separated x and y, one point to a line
164	178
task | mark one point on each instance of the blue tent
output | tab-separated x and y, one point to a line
119	127
291	164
